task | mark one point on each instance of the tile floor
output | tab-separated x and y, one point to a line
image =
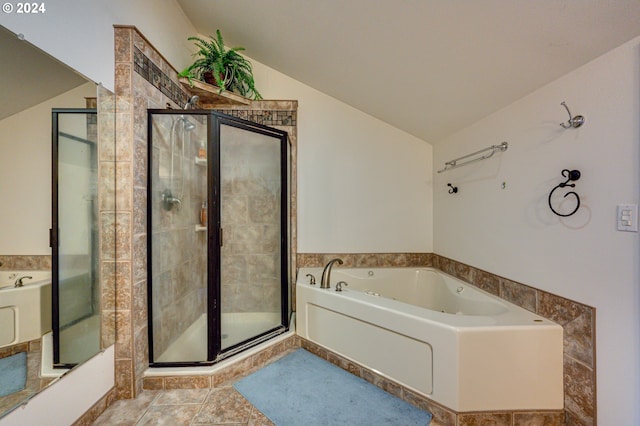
217	406
197	407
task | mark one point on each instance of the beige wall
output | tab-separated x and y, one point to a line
513	233
364	186
25	173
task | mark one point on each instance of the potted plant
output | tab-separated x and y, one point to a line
222	67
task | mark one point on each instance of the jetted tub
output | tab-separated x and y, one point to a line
436	335
25	312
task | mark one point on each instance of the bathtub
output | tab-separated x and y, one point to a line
25	312
436	335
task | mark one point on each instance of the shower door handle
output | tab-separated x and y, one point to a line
221	234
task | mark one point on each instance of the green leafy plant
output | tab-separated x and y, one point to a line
222	67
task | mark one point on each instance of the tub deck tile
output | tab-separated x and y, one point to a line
484	419
538	419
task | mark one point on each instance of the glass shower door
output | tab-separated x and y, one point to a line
74	237
253	232
177	267
217	233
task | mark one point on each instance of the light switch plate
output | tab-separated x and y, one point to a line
627	217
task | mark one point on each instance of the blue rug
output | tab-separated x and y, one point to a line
303	389
13	373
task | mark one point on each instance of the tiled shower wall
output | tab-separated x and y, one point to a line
577	320
252	207
106	107
144	79
178	250
250	191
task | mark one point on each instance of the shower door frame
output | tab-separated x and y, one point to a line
214	121
54	232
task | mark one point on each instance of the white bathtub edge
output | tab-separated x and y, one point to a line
463	370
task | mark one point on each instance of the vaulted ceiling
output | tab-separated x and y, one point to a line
429	67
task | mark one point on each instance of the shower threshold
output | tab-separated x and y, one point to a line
210	369
237	327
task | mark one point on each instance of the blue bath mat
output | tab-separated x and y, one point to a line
303	389
13	373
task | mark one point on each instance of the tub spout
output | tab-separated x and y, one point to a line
19	282
325	282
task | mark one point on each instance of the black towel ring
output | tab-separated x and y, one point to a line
571	175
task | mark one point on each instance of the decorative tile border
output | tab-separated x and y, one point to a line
258	112
8	351
154	75
577	320
25	262
265	117
366	260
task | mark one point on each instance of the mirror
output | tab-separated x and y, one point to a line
33	84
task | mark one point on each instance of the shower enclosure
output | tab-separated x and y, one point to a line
218	209
74	237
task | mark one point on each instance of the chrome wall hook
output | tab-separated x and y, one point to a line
573	122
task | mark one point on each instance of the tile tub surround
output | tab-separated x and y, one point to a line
577	320
25	262
144	80
363	260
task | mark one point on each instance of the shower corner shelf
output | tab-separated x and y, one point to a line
209	94
200	161
200	228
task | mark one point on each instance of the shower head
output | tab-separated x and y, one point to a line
191	103
188	125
